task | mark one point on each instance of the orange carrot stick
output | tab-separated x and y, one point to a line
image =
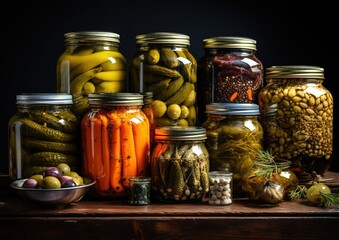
141	137
129	162
115	159
104	181
249	94
233	96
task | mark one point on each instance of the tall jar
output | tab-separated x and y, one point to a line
297	117
180	164
163	65
42	133
229	72
234	136
91	63
115	143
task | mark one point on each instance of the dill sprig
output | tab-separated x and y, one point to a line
298	193
265	163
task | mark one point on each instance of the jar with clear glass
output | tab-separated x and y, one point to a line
91	63
139	191
269	181
221	187
180	164
148	110
163	65
228	72
115	143
42	133
297	117
234	135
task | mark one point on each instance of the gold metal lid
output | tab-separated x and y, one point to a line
163	38
74	37
184	133
295	71
230	42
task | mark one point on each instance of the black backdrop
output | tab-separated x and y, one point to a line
287	32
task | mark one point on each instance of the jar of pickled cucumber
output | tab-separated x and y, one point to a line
163	65
234	135
229	72
297	117
180	164
115	143
270	179
42	133
91	63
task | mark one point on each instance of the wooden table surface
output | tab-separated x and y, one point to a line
95	219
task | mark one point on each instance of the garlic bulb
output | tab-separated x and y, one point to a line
272	192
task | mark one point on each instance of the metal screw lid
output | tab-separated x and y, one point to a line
163	38
44	98
74	37
233	109
116	99
230	42
295	71
185	133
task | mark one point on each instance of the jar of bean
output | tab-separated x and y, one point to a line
229	72
221	185
180	164
297	117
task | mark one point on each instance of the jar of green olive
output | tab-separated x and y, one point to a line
91	63
234	135
43	133
180	164
297	117
163	65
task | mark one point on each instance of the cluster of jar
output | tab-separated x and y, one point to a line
147	125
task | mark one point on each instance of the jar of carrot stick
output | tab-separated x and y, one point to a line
115	143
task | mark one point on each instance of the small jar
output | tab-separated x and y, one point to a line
91	63
229	72
115	143
264	177
139	191
297	117
221	185
234	135
42	133
180	164
163	65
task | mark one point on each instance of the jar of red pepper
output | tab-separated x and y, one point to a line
229	72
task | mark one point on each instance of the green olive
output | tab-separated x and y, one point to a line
50	182
64	168
38	178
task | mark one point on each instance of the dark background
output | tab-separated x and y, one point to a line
287	33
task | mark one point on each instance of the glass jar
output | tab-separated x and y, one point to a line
180	164
91	63
115	143
297	117
275	175
163	65
42	133
140	191
234	135
221	185
229	72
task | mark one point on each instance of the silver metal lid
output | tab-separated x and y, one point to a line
233	109
73	37
180	133
116	99
295	71
44	98
230	42
163	38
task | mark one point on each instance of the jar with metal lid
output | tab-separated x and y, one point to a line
297	117
270	179
42	133
163	65
180	164
234	135
115	143
229	72
91	63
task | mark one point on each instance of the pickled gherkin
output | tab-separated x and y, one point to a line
180	164
234	135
